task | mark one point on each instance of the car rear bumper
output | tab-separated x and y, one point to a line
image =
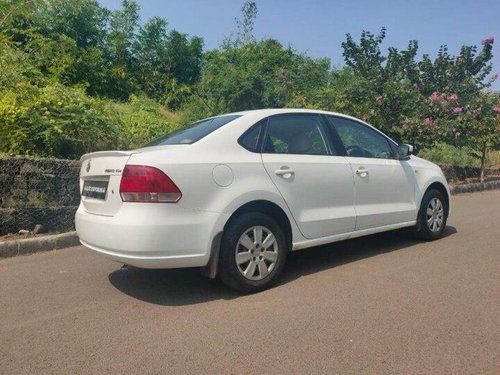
154	261
150	235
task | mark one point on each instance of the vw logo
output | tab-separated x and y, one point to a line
88	166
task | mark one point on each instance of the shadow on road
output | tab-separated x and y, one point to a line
179	287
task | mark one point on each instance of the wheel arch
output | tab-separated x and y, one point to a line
437	185
258	205
268	208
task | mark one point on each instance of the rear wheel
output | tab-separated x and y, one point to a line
253	252
432	215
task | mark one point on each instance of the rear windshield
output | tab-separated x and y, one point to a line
193	132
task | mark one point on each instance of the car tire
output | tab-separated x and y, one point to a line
253	252
432	216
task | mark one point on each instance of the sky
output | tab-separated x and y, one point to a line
318	27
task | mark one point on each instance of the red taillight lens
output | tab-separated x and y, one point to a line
147	184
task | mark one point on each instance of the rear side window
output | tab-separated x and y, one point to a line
193	132
250	139
295	134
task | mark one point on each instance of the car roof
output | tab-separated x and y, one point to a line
272	111
276	111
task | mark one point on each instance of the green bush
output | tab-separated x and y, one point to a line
141	120
445	154
55	120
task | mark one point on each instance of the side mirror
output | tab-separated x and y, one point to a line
404	151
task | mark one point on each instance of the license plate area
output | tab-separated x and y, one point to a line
95	189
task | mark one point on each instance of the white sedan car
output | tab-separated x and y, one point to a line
235	193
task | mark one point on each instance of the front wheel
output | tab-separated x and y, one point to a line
253	252
432	216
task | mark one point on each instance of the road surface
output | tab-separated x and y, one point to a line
380	304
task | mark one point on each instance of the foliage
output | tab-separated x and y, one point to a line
141	120
245	26
258	75
54	120
107	52
444	154
78	77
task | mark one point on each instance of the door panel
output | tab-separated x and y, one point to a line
384	188
316	186
384	192
319	193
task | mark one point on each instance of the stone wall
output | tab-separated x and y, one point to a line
38	191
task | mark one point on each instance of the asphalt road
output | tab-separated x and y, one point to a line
380	304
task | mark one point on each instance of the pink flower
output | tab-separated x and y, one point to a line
428	121
379	99
457	110
453	97
496	109
488	40
476	111
435	96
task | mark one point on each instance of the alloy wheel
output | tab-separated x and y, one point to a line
435	215
256	253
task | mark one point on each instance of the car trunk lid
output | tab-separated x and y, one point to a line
100	176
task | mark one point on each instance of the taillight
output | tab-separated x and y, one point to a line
147	184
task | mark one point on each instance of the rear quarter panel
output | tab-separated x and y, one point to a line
193	167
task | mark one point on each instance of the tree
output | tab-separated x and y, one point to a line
258	75
480	128
244	27
83	51
185	57
365	58
417	101
246	24
65	40
82	25
123	28
151	51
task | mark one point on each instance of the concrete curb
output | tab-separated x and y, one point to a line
59	241
38	244
480	186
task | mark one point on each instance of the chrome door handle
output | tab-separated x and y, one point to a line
285	172
361	171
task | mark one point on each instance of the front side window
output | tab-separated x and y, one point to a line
360	140
295	134
194	132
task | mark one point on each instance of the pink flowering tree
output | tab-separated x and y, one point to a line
473	124
480	130
420	102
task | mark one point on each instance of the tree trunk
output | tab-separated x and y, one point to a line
483	160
